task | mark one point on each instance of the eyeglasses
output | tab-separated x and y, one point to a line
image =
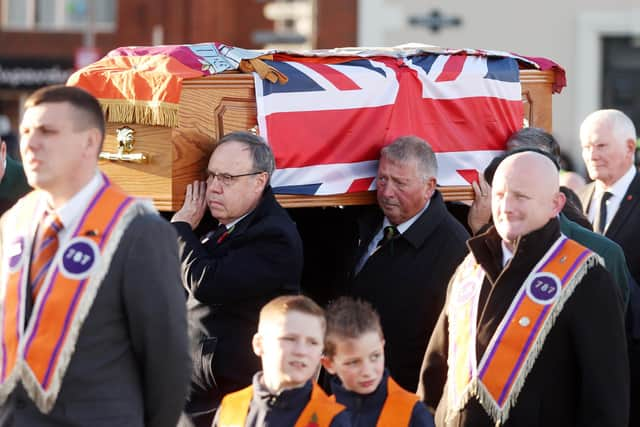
226	179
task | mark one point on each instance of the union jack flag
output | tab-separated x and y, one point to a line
327	125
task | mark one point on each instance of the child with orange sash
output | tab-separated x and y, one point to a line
289	341
354	352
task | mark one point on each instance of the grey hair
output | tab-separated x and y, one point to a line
621	125
407	148
259	150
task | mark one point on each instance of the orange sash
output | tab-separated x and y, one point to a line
39	354
517	341
398	406
319	412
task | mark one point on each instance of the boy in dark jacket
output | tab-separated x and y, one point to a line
289	341
354	352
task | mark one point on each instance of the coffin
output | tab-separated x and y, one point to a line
215	105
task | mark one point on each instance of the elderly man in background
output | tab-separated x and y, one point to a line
532	332
612	202
406	253
254	255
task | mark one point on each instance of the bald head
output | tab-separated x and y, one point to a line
525	195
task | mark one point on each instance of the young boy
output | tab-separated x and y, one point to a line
354	351
289	341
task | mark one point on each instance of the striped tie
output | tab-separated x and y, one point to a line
44	248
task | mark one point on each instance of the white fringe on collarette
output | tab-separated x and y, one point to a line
476	388
46	399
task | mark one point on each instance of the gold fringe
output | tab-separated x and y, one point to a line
500	416
151	113
45	400
476	388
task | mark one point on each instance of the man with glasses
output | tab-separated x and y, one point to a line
254	255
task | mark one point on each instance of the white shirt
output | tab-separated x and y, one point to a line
71	212
617	190
506	254
373	245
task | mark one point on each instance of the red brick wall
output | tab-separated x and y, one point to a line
191	21
337	23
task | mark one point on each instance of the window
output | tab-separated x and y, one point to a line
620	70
58	15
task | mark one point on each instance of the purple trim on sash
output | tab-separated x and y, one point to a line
79	290
504	330
523	354
513	313
553	255
537	325
90	207
55	272
575	264
67	320
18	326
116	216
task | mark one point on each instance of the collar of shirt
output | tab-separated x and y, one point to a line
373	244
401	227
71	212
506	253
235	221
617	190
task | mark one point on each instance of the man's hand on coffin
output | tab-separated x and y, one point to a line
195	204
480	211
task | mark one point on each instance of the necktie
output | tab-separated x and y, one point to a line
389	232
219	234
44	249
600	220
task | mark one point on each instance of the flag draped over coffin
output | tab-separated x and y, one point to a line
338	108
329	122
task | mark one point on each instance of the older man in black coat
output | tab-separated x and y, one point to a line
406	253
253	256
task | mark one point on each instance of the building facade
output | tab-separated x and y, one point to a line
597	42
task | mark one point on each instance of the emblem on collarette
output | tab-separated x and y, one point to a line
79	257
16	250
543	288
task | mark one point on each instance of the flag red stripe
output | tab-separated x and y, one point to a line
452	68
338	79
346	136
360	184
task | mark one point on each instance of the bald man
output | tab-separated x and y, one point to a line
532	335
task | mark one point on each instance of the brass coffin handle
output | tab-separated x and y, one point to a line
126	138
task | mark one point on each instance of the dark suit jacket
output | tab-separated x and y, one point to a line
624	228
579	378
228	283
406	281
131	363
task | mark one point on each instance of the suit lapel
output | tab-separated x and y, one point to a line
586	195
627	205
368	225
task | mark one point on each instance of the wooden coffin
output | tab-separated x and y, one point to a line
213	106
